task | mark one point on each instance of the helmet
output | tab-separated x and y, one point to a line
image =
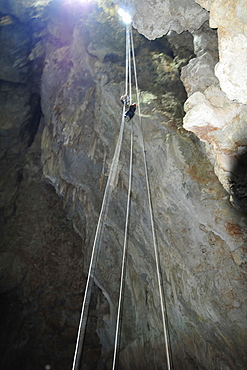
134	105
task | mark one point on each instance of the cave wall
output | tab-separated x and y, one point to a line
79	49
216	108
200	244
41	261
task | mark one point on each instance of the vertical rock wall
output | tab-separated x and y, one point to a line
201	237
218	87
41	261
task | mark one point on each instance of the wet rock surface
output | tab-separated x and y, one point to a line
54	175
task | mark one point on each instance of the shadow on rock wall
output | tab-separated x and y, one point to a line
239	182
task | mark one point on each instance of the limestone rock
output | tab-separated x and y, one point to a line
198	243
210	114
201	237
10	271
14	67
155	19
220	123
202	70
230	17
199	73
14	106
23	9
231	70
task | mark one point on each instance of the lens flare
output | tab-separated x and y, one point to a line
78	1
125	16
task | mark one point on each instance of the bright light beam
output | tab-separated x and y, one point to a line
125	16
78	1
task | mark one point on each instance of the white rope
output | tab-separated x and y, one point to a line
128	77
95	249
124	250
165	328
103	213
98	234
129	58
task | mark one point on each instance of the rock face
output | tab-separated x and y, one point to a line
155	19
215	119
230	19
62	132
206	70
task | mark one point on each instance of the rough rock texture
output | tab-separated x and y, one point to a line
215	119
41	261
41	275
201	237
155	19
223	124
23	10
230	19
198	75
229	71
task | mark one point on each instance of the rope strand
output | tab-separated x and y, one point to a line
124	250
128	68
99	229
163	310
129	58
96	247
103	213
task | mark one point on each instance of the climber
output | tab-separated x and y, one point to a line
125	100
131	112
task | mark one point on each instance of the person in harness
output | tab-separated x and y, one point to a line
131	112
125	100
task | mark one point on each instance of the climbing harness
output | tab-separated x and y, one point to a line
102	217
